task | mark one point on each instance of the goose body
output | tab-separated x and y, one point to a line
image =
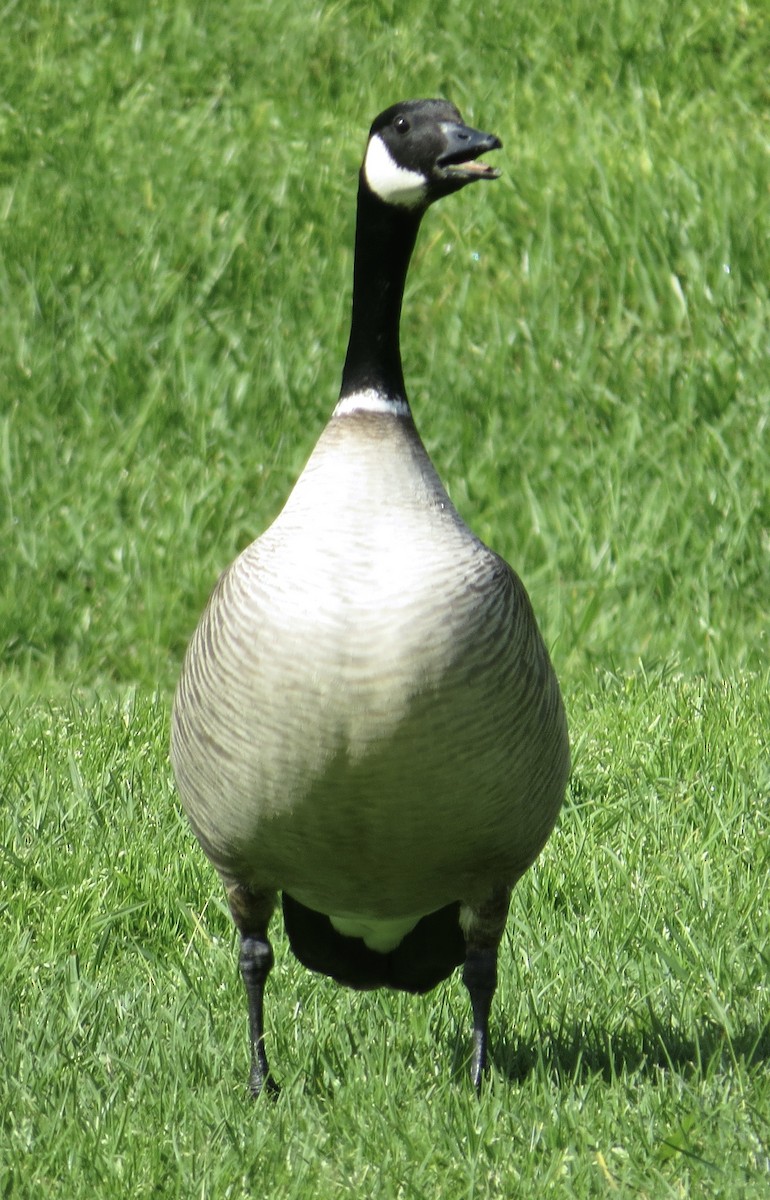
367	720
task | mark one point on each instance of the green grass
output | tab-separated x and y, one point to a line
586	346
630	1031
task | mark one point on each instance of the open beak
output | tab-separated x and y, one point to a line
464	147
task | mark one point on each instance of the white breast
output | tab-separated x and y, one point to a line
369	698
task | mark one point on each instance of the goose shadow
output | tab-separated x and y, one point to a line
584	1050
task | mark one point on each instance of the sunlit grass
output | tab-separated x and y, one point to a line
585	346
630	1030
585	342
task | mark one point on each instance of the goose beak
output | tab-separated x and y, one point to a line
464	146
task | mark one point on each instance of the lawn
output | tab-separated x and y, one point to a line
586	347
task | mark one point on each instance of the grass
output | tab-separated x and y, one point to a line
586	349
630	1030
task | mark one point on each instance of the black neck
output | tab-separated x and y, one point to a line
385	237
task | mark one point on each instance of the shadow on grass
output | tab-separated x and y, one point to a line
583	1051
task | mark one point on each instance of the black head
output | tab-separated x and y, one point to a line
421	150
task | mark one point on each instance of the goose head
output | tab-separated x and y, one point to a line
421	150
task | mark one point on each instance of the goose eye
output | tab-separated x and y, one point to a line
401	124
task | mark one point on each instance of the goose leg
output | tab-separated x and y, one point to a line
251	913
256	959
480	978
483	928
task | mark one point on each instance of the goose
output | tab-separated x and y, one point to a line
367	723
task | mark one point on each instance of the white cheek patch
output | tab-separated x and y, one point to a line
389	181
